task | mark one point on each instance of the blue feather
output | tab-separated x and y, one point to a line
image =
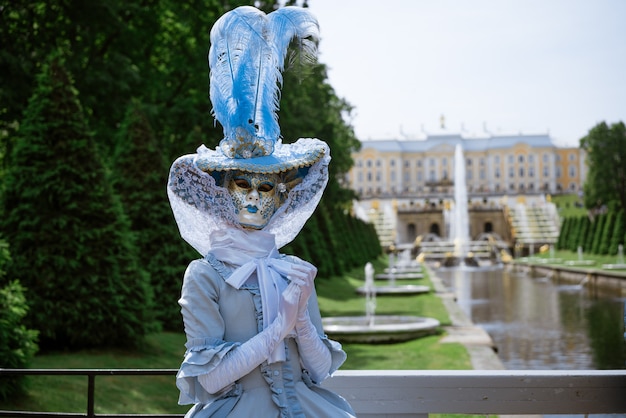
247	55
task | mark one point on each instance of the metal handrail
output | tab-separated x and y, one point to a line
91	387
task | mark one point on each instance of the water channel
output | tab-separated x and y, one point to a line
537	324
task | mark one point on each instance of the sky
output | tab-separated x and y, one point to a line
496	66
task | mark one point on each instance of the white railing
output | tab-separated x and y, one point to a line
417	393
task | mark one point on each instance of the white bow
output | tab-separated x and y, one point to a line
255	251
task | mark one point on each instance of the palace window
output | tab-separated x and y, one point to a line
572	171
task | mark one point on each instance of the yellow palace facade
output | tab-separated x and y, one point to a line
494	165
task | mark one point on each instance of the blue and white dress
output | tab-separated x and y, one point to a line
219	317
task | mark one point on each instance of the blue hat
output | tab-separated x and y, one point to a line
248	49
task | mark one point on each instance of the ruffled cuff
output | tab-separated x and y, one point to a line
202	356
337	355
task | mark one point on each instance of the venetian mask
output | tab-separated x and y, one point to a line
256	197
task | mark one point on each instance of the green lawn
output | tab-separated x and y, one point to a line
569	205
156	394
560	257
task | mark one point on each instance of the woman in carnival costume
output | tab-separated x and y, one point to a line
255	343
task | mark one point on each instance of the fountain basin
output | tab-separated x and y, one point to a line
399	276
403	270
618	266
580	263
384	329
409	289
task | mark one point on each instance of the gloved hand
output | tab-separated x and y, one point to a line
243	359
288	308
304	275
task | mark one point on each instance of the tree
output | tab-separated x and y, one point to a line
139	177
70	241
154	50
617	238
606	157
310	108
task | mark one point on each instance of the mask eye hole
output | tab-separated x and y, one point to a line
266	187
243	183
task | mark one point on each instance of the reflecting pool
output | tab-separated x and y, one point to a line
537	324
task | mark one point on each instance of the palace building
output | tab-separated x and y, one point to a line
495	165
404	179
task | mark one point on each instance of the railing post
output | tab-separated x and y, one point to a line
91	389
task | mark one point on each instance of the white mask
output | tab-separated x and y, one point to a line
255	196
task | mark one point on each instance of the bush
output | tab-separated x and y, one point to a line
18	345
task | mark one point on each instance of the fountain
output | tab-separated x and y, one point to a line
619	265
459	221
373	328
581	261
402	270
392	288
551	258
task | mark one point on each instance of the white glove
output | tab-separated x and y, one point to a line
304	275
314	354
243	359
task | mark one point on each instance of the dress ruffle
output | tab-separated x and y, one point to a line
202	356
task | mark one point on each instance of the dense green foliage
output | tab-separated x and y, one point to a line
18	344
153	50
139	175
606	158
70	240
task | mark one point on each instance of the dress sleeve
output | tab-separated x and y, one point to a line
204	327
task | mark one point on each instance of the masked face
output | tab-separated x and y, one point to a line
255	197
